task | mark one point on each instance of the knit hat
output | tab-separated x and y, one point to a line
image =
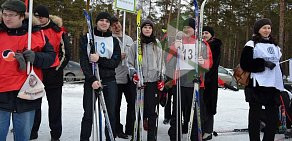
209	29
41	11
147	22
145	39
260	23
190	22
103	15
14	5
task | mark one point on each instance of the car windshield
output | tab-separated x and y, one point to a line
222	70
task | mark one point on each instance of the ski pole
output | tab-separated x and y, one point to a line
29	32
285	61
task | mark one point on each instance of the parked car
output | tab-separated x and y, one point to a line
73	72
227	76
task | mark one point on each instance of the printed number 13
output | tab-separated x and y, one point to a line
190	56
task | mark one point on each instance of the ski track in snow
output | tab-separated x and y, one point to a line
232	112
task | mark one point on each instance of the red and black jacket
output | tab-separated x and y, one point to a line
53	76
11	78
206	53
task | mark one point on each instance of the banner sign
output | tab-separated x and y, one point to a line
126	5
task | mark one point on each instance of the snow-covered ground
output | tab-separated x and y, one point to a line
232	113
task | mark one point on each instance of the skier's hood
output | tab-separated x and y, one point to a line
215	42
57	20
56	23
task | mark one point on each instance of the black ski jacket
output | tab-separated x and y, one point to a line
211	78
106	66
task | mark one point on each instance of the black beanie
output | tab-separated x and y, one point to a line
145	39
14	5
103	15
209	29
260	23
41	11
190	22
147	22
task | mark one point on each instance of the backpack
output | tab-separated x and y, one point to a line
241	76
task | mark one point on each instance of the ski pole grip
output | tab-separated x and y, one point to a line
92	47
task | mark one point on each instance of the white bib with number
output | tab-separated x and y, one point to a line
188	57
104	46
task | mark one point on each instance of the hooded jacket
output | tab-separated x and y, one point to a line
151	64
11	78
54	30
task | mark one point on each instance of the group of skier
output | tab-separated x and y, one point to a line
120	67
142	70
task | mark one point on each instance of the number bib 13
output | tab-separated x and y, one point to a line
104	46
188	57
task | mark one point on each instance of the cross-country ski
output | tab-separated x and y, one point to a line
145	70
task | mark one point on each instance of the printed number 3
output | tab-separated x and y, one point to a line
102	50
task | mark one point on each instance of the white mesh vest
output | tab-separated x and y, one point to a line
268	78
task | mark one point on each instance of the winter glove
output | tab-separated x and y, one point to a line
160	85
19	57
169	84
29	56
135	78
201	60
270	64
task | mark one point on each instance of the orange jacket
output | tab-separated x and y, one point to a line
55	40
11	78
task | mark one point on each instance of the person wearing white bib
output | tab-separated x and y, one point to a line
261	57
185	48
108	57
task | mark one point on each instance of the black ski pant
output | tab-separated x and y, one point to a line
151	101
172	129
54	97
167	108
110	97
208	123
255	111
187	99
186	107
129	91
